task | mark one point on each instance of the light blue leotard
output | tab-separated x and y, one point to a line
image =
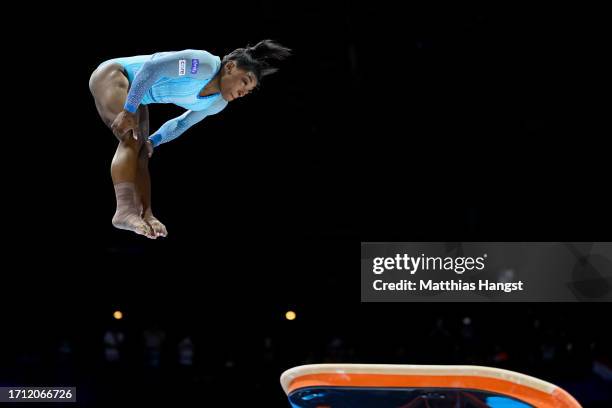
173	77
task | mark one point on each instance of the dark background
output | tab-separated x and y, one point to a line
422	123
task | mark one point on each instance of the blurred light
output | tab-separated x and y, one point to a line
290	315
118	315
467	321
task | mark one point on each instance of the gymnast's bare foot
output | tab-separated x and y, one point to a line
159	229
127	216
132	222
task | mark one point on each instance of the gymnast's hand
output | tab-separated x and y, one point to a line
124	122
149	147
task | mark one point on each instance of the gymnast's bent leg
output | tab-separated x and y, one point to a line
109	87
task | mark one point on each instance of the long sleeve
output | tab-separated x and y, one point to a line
177	126
188	63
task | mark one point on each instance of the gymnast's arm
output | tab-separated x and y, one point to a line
177	126
189	63
171	65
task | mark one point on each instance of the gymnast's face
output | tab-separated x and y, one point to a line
236	82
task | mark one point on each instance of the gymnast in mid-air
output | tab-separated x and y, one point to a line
196	80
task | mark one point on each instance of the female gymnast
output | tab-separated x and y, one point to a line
196	80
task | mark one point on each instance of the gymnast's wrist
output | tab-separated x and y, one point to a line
130	108
155	139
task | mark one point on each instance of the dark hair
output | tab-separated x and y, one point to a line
257	58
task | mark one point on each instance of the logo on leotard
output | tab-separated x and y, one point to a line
194	65
182	67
